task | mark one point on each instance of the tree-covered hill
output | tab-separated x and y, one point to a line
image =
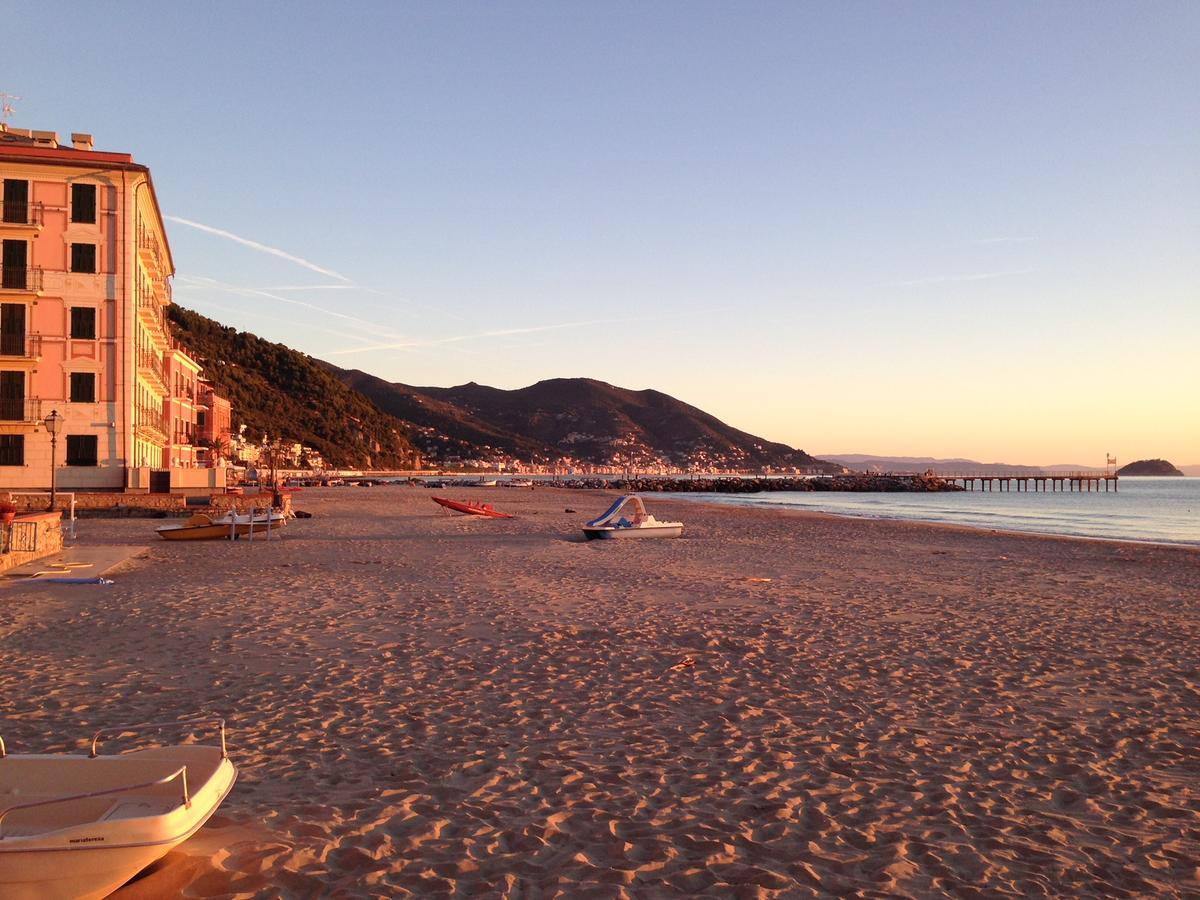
283	393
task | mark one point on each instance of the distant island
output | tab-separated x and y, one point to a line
1149	467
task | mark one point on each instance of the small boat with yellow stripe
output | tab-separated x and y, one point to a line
231	526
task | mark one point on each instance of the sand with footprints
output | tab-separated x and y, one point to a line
775	704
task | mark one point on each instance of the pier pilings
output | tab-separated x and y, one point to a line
1078	482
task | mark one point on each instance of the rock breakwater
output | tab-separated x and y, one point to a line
859	483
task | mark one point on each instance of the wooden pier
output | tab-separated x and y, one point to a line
1062	481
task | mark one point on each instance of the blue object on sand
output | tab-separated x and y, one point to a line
75	581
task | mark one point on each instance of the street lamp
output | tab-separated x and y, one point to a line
54	426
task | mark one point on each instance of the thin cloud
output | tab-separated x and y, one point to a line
354	286
243	312
503	332
314	287
261	248
951	279
214	284
1024	239
349	284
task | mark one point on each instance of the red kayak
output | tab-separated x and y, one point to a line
471	509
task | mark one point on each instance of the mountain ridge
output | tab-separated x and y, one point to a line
356	419
584	419
280	392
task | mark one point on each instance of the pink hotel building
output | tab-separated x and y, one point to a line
84	286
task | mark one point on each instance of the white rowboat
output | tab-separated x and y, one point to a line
76	827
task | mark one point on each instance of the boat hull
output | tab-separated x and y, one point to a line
605	533
93	859
216	531
470	509
92	874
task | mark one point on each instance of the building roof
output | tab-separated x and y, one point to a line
24	145
29	145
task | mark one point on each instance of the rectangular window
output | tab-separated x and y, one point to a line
16	200
13	263
83	257
12	449
12	397
83	203
83	387
12	329
83	323
82	450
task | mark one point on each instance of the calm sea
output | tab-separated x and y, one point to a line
1144	509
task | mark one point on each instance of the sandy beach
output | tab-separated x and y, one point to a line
428	705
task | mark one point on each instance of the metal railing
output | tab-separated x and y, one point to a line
13	278
148	303
153	363
126	729
148	243
180	773
149	417
20	409
22	212
68	508
22	537
24	346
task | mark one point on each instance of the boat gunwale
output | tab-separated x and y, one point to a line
43	835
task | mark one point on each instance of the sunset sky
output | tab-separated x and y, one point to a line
924	229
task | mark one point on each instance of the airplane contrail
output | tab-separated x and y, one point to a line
261	248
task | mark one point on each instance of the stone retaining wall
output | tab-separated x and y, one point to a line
151	505
30	537
105	501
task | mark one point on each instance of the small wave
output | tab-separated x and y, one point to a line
1135	514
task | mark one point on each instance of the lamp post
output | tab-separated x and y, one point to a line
53	425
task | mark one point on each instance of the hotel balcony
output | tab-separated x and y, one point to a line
184	438
21	215
151	314
150	425
162	289
20	346
21	280
150	367
149	252
20	411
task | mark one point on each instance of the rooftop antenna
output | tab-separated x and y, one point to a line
6	107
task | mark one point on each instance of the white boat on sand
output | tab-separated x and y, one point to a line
638	524
231	526
79	827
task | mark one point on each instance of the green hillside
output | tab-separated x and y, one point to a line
283	393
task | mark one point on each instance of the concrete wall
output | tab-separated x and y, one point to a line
188	481
35	474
